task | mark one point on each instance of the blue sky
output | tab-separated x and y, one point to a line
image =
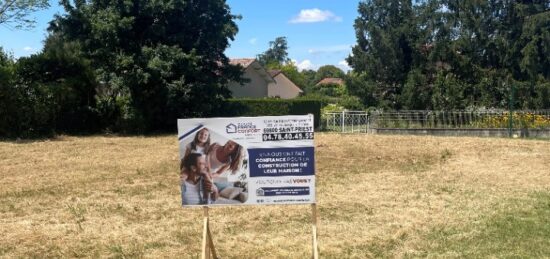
318	32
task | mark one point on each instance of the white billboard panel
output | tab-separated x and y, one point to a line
247	160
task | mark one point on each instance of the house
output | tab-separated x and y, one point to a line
262	83
259	78
331	81
283	87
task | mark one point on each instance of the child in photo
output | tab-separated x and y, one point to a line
200	144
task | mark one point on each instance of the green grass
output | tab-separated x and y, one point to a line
518	229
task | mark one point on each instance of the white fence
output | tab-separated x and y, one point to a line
346	121
361	121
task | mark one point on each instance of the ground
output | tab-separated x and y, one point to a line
378	196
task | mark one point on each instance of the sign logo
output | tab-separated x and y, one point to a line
231	128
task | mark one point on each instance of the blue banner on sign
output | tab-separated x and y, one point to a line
268	162
282	191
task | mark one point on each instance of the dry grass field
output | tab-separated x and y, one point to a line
378	196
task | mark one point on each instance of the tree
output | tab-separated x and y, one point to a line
328	71
358	85
155	61
60	86
453	54
309	77
291	72
385	50
16	12
276	54
8	95
416	92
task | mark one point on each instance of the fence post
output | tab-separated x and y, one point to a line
511	108
368	122
343	123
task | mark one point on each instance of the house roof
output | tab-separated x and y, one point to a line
274	72
244	62
331	80
252	63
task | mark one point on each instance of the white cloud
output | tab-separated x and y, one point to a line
330	49
315	15
306	64
344	65
28	49
253	41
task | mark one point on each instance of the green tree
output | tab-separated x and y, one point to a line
504	38
417	93
59	88
8	95
385	45
155	61
328	71
358	85
309	78
15	13
276	55
291	72
481	49
448	92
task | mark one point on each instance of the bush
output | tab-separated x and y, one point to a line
273	107
351	103
520	120
542	100
8	96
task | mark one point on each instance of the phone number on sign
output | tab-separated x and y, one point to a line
287	136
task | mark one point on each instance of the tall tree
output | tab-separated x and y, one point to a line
329	71
309	76
384	50
276	54
8	96
155	60
60	86
291	71
453	54
15	13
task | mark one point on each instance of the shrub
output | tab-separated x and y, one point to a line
274	107
520	120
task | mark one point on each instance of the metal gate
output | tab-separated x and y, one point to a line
346	121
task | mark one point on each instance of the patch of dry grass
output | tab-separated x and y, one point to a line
377	196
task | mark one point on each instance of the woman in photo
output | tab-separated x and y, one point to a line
196	183
223	159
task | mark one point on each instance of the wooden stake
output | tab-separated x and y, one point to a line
205	243
314	230
208	244
211	243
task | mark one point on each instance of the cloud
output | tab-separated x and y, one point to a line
330	49
253	41
28	49
315	15
306	64
344	65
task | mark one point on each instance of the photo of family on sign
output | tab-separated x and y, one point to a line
212	169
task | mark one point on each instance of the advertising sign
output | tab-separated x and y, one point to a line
247	160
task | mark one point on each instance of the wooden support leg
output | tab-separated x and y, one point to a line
205	243
211	243
314	230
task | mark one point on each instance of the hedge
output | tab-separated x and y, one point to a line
274	107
